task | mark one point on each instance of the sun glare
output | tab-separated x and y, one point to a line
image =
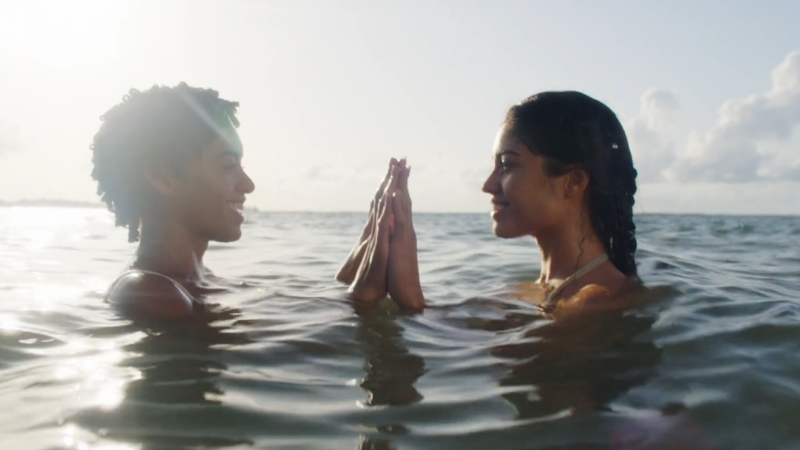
9	323
60	33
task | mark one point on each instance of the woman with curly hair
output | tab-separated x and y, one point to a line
563	174
167	162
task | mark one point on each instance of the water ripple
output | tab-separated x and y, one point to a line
706	362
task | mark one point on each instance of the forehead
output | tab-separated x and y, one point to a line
505	141
226	142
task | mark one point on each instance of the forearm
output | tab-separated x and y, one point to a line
348	269
409	297
404	281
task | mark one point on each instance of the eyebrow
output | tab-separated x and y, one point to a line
230	152
507	151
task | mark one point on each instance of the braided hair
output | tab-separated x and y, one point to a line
571	129
162	122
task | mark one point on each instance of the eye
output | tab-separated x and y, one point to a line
506	165
231	163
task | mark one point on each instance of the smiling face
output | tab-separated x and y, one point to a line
526	200
210	192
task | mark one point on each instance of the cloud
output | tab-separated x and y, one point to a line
9	138
652	152
738	147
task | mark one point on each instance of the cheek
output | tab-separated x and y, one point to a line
531	197
520	189
214	183
201	191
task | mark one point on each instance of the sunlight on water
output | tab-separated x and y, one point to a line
45	218
43	297
75	439
290	364
9	323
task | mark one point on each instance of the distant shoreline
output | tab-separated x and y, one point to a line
53	203
80	204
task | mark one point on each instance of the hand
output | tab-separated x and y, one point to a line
370	281
347	273
403	274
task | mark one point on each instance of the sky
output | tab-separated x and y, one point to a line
709	92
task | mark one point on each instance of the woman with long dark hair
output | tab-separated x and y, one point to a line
563	173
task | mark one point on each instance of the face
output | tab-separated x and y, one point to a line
525	200
210	193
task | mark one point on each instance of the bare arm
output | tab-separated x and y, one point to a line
404	282
347	272
370	282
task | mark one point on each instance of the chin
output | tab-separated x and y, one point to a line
504	232
229	236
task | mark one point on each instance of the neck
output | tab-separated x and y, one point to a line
172	250
566	250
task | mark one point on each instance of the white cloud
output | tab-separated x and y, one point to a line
740	146
9	138
751	140
652	152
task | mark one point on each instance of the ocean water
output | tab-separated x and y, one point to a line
711	359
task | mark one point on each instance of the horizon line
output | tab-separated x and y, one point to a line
61	203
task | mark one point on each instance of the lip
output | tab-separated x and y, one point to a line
237	206
499	206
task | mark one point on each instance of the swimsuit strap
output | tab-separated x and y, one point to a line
177	285
590	266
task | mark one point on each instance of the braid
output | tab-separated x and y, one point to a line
612	221
611	206
626	256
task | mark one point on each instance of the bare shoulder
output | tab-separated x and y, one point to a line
595	297
149	296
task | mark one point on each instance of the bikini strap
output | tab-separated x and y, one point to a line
590	266
174	282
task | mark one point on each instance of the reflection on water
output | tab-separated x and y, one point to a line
391	370
179	366
290	364
578	364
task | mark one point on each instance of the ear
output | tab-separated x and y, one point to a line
160	177
576	181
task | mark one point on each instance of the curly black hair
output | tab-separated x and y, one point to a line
162	122
570	128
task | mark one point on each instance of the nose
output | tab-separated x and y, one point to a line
246	184
492	184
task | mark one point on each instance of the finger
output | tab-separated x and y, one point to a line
385	224
404	189
386	214
392	164
386	193
402	182
392	185
398	210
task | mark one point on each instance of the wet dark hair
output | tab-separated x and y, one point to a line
571	129
164	122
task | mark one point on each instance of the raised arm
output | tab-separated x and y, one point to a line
403	276
347	272
370	281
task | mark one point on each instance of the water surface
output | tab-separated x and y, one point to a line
712	357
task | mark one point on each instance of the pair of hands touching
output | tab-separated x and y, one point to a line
384	260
